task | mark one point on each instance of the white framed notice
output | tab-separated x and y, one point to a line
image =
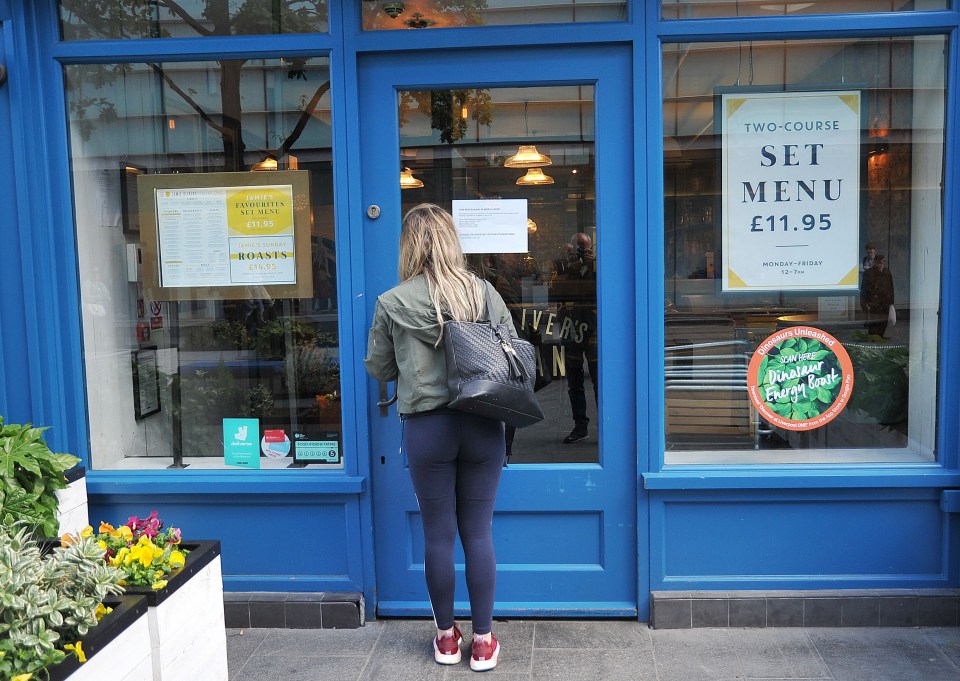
790	190
491	225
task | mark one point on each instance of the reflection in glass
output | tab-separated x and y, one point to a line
711	336
378	15
123	19
457	142
249	354
704	9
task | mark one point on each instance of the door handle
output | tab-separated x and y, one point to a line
386	401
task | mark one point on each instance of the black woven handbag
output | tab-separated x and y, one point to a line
489	373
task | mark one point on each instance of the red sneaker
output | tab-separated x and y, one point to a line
485	654
446	650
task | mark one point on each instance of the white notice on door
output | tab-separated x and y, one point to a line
492	225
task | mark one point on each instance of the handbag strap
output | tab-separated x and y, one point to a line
517	370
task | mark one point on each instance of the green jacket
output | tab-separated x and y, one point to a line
402	345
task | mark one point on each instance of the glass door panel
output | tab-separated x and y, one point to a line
533	145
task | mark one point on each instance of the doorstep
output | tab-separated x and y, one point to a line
806	608
272	610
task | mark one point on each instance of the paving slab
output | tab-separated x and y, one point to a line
602	650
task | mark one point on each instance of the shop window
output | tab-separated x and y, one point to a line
414	14
125	19
706	9
803	240
523	154
208	289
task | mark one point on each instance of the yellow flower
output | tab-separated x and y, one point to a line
177	559
102	611
22	677
159	584
107	528
102	544
86	532
77	649
120	558
125	533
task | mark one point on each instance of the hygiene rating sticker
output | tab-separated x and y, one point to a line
800	378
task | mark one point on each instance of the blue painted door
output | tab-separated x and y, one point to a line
565	527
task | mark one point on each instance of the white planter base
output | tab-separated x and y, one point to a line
125	658
72	509
188	639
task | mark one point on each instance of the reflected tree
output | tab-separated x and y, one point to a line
124	19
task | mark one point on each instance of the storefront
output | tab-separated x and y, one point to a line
676	200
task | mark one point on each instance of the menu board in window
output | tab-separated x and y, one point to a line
226	235
791	168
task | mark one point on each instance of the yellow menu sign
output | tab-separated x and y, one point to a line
226	236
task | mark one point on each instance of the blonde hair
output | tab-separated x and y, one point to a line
429	245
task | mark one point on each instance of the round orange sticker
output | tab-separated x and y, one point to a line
800	378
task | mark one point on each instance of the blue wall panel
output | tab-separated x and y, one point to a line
893	539
15	385
531	540
268	543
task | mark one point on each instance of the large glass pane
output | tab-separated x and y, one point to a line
475	150
412	14
704	9
803	204
165	364
121	19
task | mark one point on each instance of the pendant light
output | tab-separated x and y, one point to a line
535	176
408	181
267	163
527	156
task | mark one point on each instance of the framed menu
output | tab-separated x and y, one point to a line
226	236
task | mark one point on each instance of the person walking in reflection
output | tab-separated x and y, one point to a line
455	458
876	296
575	287
867	262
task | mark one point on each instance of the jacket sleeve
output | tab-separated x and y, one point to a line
381	361
501	312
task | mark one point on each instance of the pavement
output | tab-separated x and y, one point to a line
600	650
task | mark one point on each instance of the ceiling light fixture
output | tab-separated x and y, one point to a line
527	156
266	164
408	181
535	176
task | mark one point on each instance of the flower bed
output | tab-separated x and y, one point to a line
182	583
118	648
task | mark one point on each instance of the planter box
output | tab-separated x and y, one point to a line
72	502
118	648
188	639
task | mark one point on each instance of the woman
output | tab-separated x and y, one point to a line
455	458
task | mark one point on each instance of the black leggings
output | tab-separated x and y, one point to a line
455	462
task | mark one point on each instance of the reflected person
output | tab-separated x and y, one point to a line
876	296
575	287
